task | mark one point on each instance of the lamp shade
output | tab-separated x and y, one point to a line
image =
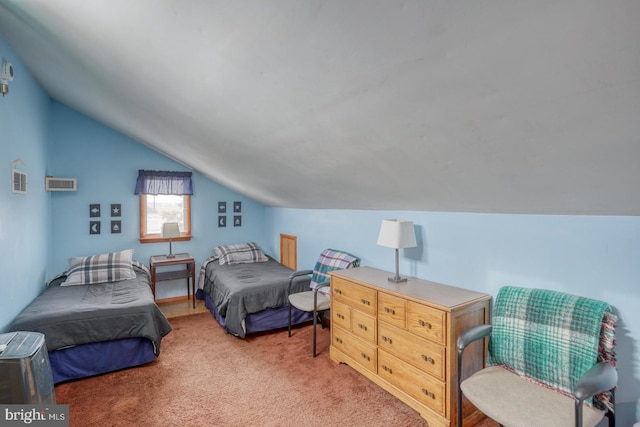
397	233
170	230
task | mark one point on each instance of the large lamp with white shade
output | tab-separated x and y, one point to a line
397	233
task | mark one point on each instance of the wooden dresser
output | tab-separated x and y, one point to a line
402	336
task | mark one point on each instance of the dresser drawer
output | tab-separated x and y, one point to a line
427	322
363	326
356	296
412	381
392	309
420	352
341	315
361	352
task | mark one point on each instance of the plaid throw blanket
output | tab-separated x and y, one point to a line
551	337
331	260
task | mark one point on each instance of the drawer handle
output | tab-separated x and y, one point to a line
387	369
389	310
364	301
428	393
427	359
337	291
425	324
361	326
340	316
386	339
364	356
338	340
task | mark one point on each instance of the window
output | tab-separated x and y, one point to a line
156	210
164	197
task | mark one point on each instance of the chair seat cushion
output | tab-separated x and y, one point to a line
514	401
304	301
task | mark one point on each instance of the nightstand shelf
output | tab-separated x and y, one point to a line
189	272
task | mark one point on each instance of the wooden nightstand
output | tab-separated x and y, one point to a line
189	272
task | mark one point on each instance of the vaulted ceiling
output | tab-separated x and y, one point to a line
467	106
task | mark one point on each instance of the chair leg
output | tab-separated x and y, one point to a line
459	404
611	415
315	322
578	412
612	418
320	317
289	320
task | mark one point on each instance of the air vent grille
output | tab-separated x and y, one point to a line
60	184
18	182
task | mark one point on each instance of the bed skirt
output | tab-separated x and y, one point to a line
265	320
98	358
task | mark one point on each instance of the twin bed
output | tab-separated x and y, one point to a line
99	316
246	290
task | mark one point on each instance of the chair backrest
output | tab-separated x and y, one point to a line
551	337
330	260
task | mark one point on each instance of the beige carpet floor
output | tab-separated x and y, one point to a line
206	377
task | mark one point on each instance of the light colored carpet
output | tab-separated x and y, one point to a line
206	377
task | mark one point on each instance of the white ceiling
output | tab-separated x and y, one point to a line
470	106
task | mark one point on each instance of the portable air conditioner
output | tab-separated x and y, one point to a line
25	372
59	184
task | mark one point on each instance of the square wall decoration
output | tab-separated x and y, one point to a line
237	220
94	210
222	221
94	227
116	209
237	207
116	227
222	207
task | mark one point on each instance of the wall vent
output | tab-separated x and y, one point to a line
18	182
59	184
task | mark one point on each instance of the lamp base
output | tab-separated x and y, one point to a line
171	256
397	279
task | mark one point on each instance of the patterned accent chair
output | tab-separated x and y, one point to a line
551	361
317	300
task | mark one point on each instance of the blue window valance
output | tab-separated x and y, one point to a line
164	182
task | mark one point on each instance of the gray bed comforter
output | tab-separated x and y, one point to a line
241	289
74	315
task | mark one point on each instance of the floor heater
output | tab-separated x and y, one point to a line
25	372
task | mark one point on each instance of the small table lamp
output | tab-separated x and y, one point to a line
397	233
170	230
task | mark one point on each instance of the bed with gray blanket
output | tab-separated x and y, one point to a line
96	328
249	297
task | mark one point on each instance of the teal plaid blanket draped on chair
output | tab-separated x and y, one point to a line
331	260
551	337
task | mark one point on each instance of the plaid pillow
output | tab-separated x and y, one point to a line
240	253
101	268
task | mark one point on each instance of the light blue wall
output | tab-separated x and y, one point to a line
106	163
597	257
24	219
